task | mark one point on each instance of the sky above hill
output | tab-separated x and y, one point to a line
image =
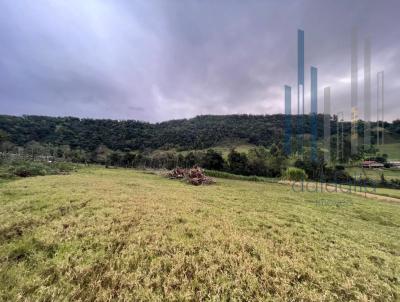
160	60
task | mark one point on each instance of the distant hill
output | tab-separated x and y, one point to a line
196	133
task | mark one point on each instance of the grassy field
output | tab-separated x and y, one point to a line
226	175
243	147
225	148
388	192
374	174
393	150
114	234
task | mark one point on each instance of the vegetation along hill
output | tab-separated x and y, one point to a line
196	133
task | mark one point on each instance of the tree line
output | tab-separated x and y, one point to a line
200	132
258	161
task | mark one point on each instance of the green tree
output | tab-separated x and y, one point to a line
34	149
213	160
129	159
237	162
3	136
79	156
257	161
114	158
7	146
277	161
191	159
101	154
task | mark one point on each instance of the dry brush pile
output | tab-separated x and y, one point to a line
194	176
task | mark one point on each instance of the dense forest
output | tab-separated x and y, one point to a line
26	140
196	133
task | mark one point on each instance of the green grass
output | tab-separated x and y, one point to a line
374	174
388	192
242	147
226	175
114	234
392	150
225	148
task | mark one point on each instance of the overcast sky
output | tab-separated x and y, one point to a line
158	60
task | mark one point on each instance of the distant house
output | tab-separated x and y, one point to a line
394	164
370	164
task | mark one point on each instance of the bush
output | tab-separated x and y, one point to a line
336	175
395	183
295	174
238	162
30	168
27	169
5	175
213	160
63	167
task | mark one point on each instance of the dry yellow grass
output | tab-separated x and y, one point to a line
105	235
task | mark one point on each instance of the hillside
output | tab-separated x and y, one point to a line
392	149
107	234
196	133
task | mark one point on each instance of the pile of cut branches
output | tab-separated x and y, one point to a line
177	173
194	176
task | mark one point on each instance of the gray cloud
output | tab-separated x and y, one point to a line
156	60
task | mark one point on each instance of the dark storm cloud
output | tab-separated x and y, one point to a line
156	60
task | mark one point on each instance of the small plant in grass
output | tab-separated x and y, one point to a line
27	169
63	167
30	168
294	174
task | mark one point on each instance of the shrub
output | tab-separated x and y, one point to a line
295	174
395	183
237	162
26	169
5	174
213	160
63	167
30	168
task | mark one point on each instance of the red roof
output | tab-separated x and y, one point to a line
369	162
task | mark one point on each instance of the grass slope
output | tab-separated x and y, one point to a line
393	150
388	192
121	234
374	174
226	147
